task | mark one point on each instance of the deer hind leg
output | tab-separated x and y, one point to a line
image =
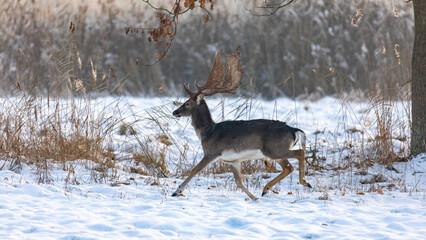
300	155
236	170
287	169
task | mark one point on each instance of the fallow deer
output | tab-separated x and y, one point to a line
236	141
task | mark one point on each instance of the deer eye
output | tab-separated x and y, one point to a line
187	104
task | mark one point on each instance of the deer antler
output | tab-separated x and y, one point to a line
216	83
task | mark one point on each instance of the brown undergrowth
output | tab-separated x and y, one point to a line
65	124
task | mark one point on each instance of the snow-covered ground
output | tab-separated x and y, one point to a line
338	206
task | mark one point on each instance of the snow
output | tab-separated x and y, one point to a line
140	207
139	210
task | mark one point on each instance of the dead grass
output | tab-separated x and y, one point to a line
64	125
151	157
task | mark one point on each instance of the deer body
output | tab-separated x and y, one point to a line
236	141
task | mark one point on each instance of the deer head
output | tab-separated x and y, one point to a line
216	83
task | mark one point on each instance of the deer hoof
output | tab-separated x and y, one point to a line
265	191
308	185
176	194
254	199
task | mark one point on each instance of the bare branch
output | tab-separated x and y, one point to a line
161	9
270	7
164	34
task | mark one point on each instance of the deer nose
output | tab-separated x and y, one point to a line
176	113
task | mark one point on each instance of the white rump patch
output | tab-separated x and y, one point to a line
232	156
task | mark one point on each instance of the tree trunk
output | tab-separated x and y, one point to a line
418	81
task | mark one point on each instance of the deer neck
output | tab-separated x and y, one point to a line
202	120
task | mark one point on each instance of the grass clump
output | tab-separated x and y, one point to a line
63	125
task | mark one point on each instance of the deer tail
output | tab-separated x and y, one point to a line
301	136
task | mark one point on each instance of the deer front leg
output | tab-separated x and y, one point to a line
236	170
300	155
202	164
287	169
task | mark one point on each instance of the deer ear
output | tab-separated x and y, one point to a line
200	98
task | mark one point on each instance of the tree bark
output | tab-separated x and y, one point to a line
418	81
